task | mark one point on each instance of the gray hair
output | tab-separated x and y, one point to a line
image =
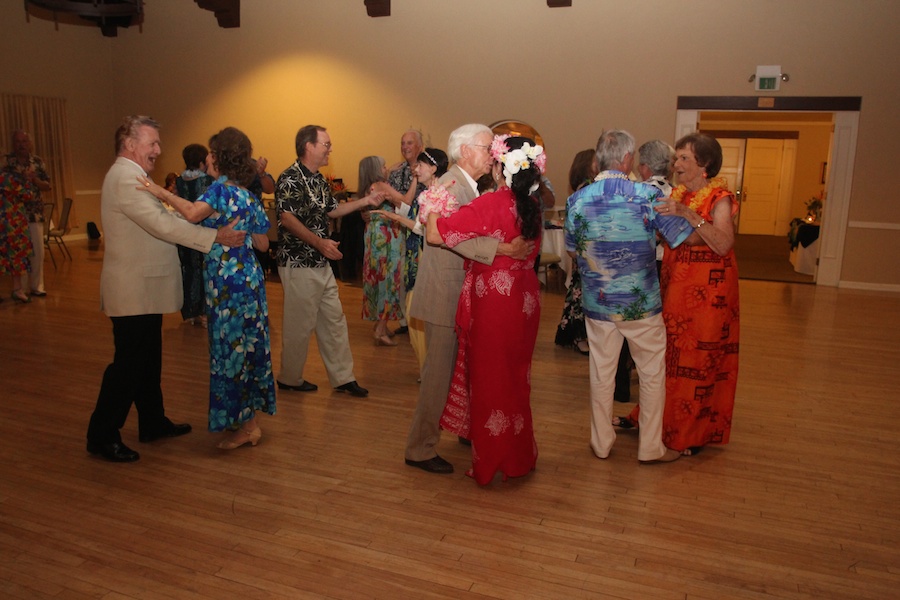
612	147
465	135
658	156
129	129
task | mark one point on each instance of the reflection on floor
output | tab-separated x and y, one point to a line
766	257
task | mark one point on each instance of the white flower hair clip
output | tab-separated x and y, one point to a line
514	161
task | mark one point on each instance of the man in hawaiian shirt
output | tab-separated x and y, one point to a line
611	231
400	178
311	302
30	169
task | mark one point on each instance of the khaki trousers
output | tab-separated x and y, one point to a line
416	333
36	277
647	343
312	303
425	431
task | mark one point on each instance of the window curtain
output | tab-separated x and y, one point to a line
45	121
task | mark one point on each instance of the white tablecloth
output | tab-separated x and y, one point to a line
804	259
553	241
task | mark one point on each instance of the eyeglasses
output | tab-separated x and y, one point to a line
486	148
326	144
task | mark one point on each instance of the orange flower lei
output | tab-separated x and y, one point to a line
699	199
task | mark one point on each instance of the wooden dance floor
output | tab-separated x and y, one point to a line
803	504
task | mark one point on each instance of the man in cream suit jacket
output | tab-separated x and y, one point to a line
438	285
140	280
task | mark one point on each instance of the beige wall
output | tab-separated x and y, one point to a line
568	71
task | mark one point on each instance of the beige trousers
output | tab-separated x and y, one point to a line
416	333
647	343
425	431
312	303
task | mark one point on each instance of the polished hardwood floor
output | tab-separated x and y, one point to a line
803	504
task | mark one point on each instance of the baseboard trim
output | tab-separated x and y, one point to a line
874	287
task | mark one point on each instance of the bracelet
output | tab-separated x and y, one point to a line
702	221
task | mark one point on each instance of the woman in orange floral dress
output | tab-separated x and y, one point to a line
701	307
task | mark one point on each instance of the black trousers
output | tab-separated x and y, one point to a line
132	378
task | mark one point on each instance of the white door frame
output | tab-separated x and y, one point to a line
835	215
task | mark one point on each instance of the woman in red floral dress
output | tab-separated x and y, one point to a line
497	318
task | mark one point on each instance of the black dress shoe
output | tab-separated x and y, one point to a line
38	294
114	451
432	465
303	387
354	389
403	329
174	431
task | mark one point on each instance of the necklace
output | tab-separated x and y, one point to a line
698	199
322	192
610	175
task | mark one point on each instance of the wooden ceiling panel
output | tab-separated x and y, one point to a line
228	12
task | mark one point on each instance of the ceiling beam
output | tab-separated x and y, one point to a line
378	8
559	3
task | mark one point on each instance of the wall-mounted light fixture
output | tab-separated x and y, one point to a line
378	8
768	78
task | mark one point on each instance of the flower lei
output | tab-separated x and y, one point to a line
514	161
436	199
699	199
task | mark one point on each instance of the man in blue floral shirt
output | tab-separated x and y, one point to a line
30	168
611	230
305	204
400	178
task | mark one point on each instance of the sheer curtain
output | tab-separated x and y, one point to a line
45	121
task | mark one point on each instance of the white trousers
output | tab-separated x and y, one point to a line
36	277
312	303
647	343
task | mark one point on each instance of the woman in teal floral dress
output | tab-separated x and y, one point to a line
241	380
382	262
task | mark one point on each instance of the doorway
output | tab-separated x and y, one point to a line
844	113
759	167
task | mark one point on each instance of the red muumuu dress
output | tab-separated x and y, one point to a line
496	323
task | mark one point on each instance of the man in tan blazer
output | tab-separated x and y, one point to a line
140	280
438	285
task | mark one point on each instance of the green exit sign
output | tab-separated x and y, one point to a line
768	83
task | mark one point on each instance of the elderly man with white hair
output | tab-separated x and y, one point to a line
438	286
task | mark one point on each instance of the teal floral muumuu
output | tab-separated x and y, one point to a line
240	359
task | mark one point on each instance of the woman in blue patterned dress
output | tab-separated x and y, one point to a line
241	381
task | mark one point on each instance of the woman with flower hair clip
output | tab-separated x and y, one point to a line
497	317
431	164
